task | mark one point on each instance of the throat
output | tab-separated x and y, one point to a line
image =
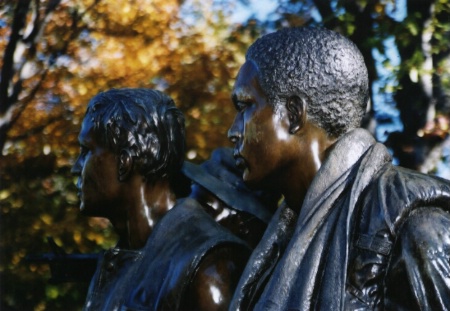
135	218
154	203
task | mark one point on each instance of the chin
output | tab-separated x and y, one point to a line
82	207
86	211
259	183
250	181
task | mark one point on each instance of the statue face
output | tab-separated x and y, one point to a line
97	168
260	132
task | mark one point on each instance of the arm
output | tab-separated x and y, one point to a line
216	279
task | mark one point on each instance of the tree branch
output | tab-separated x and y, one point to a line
20	14
6	126
37	130
329	19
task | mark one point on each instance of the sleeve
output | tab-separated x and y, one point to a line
418	275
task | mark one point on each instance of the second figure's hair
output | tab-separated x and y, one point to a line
144	122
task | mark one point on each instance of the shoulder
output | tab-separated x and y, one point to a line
397	191
218	262
189	222
217	277
191	248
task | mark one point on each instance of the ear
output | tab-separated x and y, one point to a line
296	107
125	164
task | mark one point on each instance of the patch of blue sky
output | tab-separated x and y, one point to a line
396	9
259	9
386	114
443	166
265	10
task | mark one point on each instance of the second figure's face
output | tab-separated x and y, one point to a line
97	170
260	132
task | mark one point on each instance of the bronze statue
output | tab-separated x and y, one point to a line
217	184
171	254
354	232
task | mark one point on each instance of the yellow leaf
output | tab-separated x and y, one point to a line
46	219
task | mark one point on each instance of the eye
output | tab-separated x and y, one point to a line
83	150
240	106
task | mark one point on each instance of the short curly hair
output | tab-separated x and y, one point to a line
319	65
147	123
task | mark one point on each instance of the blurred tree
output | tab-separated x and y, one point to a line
421	91
56	56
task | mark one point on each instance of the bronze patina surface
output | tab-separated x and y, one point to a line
354	232
171	254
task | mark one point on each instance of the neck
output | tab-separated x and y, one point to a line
314	146
148	203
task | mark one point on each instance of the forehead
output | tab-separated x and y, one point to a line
86	136
247	82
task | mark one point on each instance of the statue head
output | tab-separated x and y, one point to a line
143	124
299	90
127	132
321	67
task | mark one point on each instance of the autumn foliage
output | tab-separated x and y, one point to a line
75	50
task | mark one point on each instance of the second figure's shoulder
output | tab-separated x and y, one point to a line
190	222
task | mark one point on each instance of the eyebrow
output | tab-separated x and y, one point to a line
234	98
84	142
241	94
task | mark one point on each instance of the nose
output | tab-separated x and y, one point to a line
234	133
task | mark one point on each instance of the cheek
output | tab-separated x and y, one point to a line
260	133
256	129
87	168
93	171
253	133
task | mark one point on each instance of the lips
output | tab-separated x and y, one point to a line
79	186
79	194
240	161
